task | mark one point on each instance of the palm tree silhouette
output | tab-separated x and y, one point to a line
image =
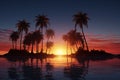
41	22
49	34
27	41
49	45
38	38
79	40
73	39
49	70
65	38
81	19
32	35
14	37
22	25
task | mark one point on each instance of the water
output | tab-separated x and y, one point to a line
59	68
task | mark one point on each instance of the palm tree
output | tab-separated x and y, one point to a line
79	40
27	40
81	19
38	38
32	35
14	37
71	39
22	26
49	34
49	45
65	38
41	22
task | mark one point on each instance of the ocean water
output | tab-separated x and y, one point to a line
59	68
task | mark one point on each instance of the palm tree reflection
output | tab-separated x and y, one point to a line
32	73
49	71
41	69
76	71
12	72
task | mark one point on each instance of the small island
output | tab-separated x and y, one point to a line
34	40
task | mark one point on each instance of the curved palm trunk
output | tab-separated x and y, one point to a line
42	47
85	40
82	43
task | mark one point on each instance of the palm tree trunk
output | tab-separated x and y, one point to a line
15	44
50	50
71	49
42	41
32	48
67	48
28	47
24	47
82	43
85	40
21	40
37	47
47	45
46	48
12	45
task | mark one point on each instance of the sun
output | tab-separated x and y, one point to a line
60	51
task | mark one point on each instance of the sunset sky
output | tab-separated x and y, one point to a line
103	27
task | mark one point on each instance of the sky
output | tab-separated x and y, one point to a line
103	30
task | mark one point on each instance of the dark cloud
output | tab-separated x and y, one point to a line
98	40
4	34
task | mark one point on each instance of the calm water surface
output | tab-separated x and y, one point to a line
59	68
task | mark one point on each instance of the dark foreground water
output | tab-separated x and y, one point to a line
59	68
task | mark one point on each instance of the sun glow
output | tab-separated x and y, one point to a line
59	51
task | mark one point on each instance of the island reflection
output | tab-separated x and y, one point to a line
45	69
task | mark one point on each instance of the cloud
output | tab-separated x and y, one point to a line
103	38
115	44
113	47
4	47
98	40
109	43
4	34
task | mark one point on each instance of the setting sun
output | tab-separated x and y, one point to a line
60	51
